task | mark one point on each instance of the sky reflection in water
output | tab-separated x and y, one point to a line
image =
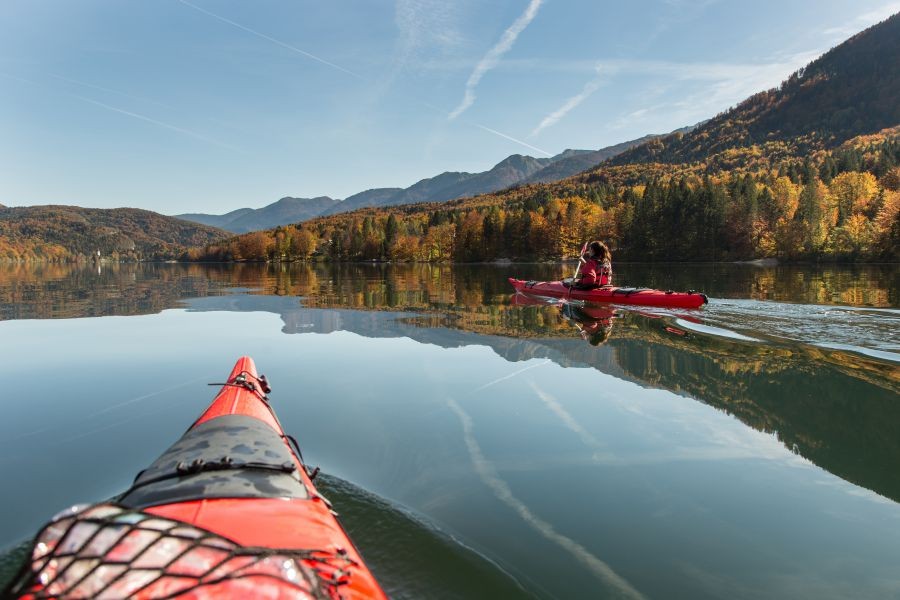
565	464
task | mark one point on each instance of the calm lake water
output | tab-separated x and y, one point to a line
481	445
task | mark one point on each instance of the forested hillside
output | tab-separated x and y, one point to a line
810	170
450	185
839	204
70	232
850	90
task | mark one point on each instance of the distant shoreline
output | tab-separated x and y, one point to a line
760	262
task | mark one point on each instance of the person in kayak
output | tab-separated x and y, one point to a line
596	270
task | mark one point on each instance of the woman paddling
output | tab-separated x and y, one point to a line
597	268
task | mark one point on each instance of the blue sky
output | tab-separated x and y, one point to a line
211	105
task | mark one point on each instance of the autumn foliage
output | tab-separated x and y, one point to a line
72	233
838	204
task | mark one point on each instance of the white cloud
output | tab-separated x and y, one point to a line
867	19
425	28
492	58
728	84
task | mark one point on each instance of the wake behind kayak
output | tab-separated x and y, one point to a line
611	294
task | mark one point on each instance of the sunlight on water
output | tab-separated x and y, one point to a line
716	331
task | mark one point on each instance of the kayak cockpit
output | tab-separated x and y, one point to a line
257	461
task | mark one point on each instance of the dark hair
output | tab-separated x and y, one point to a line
600	336
600	251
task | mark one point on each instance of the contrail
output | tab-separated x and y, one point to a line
490	60
21	79
147	119
110	90
273	40
512	139
529	13
188	132
565	417
511	375
177	386
589	88
442	111
106	409
502	491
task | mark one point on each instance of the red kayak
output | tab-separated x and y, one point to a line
229	511
612	294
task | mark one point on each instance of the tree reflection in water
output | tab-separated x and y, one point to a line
836	407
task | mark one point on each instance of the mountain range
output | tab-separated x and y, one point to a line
286	210
852	89
809	170
513	170
756	180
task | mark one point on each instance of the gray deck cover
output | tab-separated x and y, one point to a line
245	440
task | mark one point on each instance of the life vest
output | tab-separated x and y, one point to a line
594	273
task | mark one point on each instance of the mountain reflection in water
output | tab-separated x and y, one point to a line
807	355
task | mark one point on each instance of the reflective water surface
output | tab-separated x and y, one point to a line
480	444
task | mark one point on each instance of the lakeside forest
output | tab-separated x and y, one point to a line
809	170
842	204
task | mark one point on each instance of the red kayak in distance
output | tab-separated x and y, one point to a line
228	511
612	294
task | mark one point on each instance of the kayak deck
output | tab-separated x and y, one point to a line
229	510
612	294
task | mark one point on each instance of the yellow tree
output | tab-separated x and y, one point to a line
282	243
887	225
891	179
888	212
469	237
854	192
787	197
860	233
438	243
816	215
571	233
404	247
254	246
303	243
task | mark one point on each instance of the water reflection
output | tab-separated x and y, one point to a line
29	290
593	324
598	438
800	394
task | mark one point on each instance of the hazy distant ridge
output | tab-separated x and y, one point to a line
450	185
284	211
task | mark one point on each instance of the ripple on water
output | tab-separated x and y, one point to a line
410	558
868	331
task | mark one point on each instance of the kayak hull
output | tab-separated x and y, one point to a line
244	514
611	294
284	523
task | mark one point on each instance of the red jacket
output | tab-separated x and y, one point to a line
594	273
